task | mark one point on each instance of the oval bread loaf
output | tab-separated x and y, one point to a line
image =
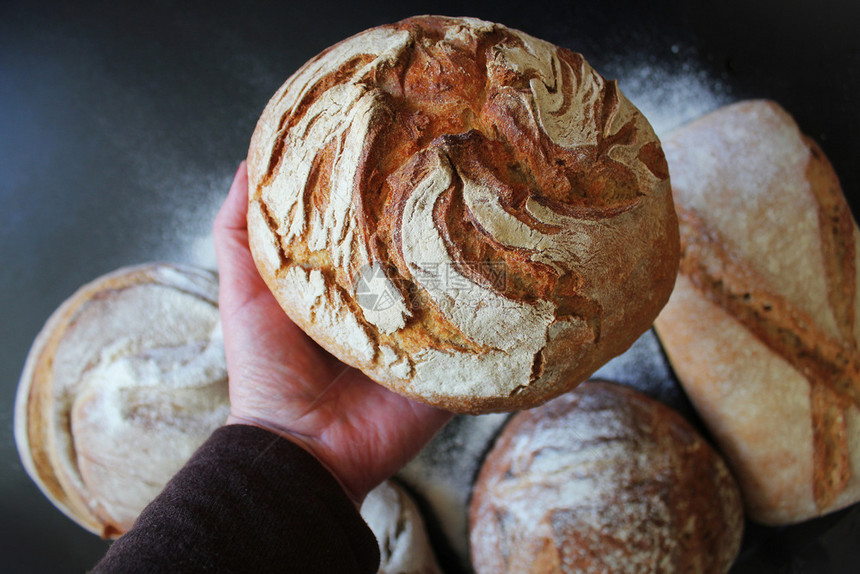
472	216
603	479
122	384
762	328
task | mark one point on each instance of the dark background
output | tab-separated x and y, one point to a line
121	125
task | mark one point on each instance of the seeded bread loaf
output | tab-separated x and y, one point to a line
762	327
472	216
123	383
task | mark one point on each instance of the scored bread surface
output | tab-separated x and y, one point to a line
125	380
603	479
762	327
472	216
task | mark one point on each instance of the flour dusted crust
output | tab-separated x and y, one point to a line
396	522
470	215
125	380
603	479
762	328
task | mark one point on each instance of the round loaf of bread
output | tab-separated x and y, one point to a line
472	216
396	522
603	479
123	383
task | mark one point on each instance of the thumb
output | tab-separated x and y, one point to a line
239	278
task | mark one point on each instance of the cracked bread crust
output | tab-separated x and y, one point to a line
471	216
762	327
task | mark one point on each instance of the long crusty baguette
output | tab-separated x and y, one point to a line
762	326
472	216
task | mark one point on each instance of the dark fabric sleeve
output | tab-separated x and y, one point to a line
247	501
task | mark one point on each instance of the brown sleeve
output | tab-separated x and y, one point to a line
247	501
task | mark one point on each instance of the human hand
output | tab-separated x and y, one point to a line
283	381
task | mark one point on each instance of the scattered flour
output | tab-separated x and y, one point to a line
443	473
670	94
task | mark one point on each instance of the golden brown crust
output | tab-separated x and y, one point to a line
448	204
786	281
32	429
603	479
836	226
87	390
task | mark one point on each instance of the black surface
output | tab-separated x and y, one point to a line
121	125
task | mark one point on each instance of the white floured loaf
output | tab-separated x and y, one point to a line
395	520
762	328
470	215
603	479
123	383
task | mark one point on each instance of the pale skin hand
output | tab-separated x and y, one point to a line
283	381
